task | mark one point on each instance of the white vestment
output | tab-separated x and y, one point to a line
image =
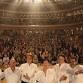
79	77
28	69
41	77
61	70
73	78
12	76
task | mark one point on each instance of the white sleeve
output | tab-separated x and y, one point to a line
80	68
70	70
36	68
55	76
21	69
36	77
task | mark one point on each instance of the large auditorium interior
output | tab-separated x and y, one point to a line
41	41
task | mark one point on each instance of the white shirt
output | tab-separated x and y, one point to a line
79	77
71	72
28	69
40	76
12	77
60	71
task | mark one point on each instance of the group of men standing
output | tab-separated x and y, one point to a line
29	72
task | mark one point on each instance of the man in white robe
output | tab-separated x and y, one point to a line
12	74
79	74
45	75
28	69
61	70
75	71
71	70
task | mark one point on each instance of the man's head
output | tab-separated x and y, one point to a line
61	59
12	62
45	63
29	57
73	60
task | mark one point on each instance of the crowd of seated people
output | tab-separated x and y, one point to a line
18	43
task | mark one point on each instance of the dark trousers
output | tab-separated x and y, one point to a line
23	82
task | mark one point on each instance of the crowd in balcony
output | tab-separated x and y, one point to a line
50	18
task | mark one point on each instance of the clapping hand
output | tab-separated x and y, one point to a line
26	77
78	72
63	78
